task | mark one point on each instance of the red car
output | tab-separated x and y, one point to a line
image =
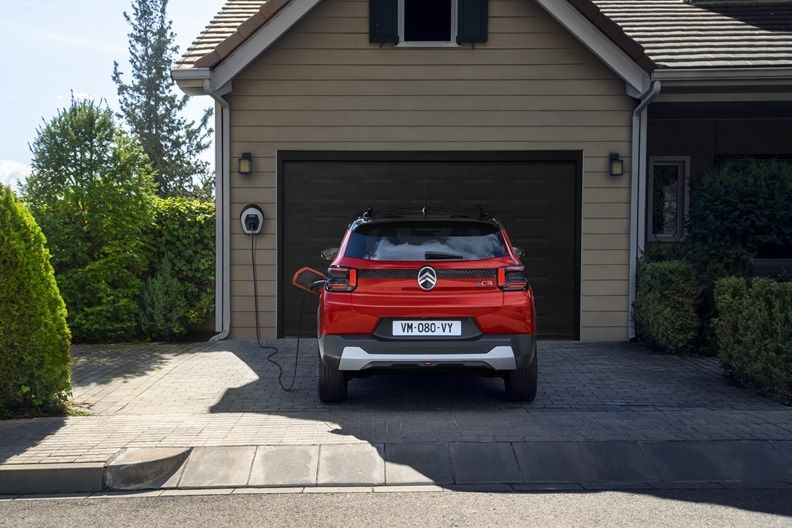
425	291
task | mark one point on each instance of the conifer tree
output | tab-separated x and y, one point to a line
152	109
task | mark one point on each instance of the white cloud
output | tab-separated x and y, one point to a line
13	172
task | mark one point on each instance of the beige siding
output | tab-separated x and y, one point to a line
531	87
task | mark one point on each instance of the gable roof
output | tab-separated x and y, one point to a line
655	34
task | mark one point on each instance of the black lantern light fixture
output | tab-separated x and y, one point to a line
246	164
616	165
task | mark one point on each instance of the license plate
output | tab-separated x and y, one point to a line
427	328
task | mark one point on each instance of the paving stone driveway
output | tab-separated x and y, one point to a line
158	395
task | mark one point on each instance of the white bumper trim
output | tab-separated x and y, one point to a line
355	359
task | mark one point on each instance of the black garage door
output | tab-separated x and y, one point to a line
535	194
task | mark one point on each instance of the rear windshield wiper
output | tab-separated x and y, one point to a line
438	255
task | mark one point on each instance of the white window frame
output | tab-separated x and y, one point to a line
683	198
430	44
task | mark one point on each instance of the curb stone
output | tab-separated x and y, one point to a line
484	466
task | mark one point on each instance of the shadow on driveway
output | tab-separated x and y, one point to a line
595	400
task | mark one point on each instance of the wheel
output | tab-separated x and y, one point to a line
332	383
521	384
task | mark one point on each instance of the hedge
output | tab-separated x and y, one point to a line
34	339
178	292
91	191
665	310
739	212
754	333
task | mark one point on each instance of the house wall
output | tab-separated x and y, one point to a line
531	87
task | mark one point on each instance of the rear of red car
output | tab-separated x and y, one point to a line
417	292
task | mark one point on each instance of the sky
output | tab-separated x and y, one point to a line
53	48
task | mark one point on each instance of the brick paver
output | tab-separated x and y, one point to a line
187	395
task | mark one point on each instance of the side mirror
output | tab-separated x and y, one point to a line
309	279
329	254
518	251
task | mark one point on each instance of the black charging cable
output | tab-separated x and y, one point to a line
275	350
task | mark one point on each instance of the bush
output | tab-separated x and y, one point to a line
34	338
737	213
91	191
754	333
662	252
178	295
665	310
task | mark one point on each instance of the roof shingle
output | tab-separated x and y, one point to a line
230	27
677	34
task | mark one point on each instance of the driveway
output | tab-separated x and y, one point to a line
227	394
616	404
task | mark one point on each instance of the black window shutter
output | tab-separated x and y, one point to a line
473	20
383	21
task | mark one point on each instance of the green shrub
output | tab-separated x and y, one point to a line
34	338
754	333
178	295
665	309
662	252
736	213
91	191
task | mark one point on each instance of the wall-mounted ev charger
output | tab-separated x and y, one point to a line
252	219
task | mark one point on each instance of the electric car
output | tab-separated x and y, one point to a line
424	290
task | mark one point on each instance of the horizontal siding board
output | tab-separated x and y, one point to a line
617	333
606	318
365	118
608	210
405	88
595	288
605	226
605	303
259	71
458	103
606	256
426	133
418	56
237	148
244	288
605	271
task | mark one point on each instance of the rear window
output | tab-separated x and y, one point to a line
426	240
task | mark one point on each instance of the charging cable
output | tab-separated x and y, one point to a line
274	351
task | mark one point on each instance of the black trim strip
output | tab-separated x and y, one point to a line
413	273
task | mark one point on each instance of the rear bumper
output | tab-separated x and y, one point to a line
493	352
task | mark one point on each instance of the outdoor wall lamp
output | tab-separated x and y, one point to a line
246	164
616	165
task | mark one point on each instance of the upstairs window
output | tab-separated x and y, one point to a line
427	22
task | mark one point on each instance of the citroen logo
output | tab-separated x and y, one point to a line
427	278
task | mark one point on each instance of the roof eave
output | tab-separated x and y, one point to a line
724	74
191	81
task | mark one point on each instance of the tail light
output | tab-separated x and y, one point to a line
341	280
512	278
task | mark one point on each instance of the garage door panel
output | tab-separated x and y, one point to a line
536	200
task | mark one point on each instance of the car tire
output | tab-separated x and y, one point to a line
332	383
521	384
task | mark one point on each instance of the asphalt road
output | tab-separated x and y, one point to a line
667	509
